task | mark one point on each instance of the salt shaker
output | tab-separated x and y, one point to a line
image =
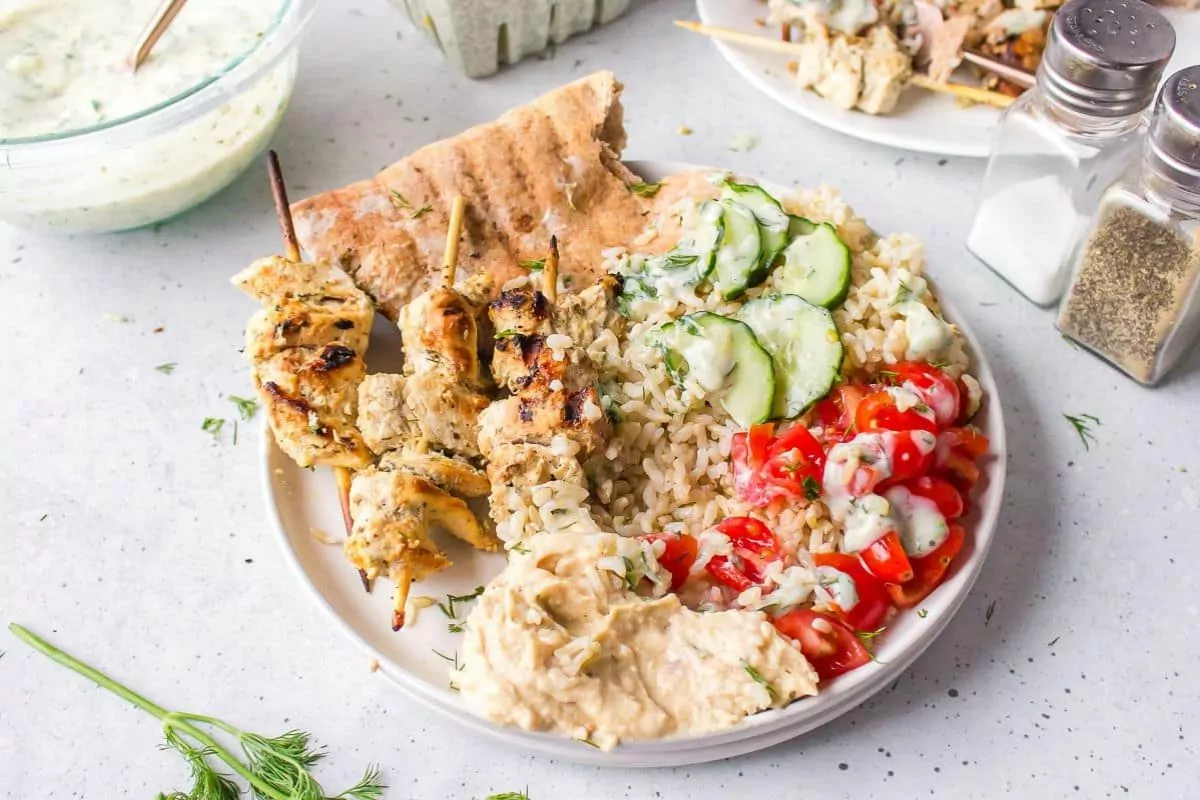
1062	142
1134	293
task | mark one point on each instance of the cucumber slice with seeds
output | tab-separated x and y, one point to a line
720	357
816	264
805	349
772	222
740	250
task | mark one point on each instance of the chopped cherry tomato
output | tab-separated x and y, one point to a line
830	646
908	453
961	470
873	601
678	557
935	388
754	546
836	412
886	559
788	466
968	438
794	464
928	571
941	492
878	411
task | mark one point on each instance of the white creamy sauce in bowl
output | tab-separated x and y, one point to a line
88	145
65	62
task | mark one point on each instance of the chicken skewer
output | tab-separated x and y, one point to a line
553	420
434	405
306	346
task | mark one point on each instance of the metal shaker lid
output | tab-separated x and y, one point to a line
1105	57
1173	149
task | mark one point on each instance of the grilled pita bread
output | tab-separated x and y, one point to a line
549	168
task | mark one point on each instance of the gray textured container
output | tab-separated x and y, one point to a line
480	36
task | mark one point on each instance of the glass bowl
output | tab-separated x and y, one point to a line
161	161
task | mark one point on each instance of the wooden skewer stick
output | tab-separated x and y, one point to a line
291	250
972	93
550	272
158	25
458	208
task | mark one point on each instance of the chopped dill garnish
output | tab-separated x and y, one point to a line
420	212
454	627
630	580
812	489
757	677
904	293
507	333
643	189
533	264
1083	426
923	613
167	368
213	425
246	407
987	615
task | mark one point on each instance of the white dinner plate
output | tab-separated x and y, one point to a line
924	121
301	501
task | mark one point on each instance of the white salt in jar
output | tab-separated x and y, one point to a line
1065	140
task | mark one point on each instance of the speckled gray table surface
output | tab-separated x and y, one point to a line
136	541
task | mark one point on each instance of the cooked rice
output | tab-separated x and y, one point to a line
667	465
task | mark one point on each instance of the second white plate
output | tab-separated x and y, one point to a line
301	504
923	121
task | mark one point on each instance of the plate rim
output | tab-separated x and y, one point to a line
842	122
757	731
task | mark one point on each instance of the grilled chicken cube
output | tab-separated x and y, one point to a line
273	279
447	411
440	333
886	70
514	469
521	319
292	323
393	511
540	417
386	422
311	399
454	475
583	316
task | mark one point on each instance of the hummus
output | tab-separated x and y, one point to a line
560	642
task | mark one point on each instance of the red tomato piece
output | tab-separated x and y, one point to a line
754	546
961	470
748	485
835	414
928	571
830	646
873	601
941	492
908	456
878	412
794	464
678	557
967	438
935	388
886	559
759	441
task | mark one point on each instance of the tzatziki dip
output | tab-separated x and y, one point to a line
66	62
87	144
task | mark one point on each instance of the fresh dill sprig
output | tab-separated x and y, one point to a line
507	333
448	607
512	795
167	368
272	768
533	264
631	579
643	189
812	489
1083	426
246	407
454	627
422	211
757	677
904	293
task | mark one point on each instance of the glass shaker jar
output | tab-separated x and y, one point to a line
1134	293
1063	141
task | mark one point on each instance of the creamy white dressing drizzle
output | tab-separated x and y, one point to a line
835	587
63	63
922	526
867	520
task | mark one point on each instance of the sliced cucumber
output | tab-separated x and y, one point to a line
799	226
739	253
707	238
804	345
772	222
720	357
816	264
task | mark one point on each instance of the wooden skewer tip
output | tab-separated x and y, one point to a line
550	272
458	210
400	599
283	211
162	19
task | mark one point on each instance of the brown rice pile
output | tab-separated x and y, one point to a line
667	464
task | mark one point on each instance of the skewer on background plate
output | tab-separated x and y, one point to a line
971	93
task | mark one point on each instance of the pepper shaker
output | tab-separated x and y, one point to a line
1134	295
1063	141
